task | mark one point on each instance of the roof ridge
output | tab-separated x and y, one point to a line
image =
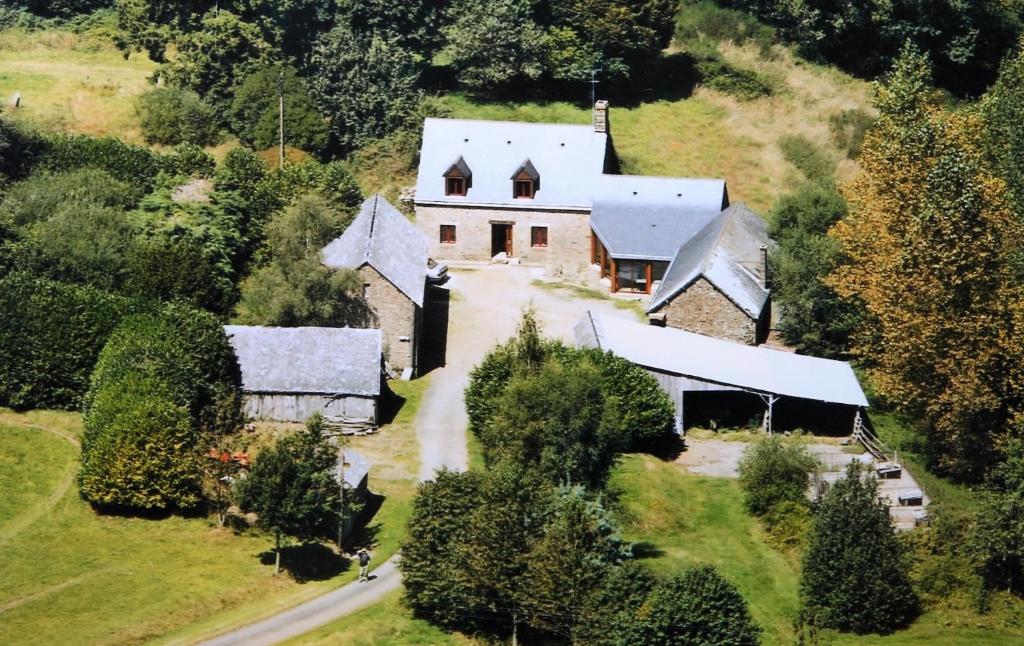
706	260
373	223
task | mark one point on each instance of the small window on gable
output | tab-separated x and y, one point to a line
525	181
538	236
458	178
447	234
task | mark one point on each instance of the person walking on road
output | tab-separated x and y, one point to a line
364	566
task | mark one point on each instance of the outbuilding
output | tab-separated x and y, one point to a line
687	364
290	373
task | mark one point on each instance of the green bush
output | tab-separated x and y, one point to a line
135	165
703	19
189	160
699	607
255	112
740	83
773	471
173	116
848	128
140	448
186	349
41	195
20	149
50	337
807	156
788	524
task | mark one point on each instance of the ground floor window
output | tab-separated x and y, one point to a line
538	236
447	234
632	276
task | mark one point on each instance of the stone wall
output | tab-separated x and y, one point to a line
703	309
397	317
568	250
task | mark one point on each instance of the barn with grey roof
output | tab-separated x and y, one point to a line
390	254
290	373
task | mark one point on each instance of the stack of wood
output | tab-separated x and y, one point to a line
348	426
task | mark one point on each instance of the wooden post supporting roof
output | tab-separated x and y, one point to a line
769	400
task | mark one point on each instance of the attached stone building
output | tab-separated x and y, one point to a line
390	254
717	282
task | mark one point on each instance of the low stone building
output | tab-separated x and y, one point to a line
717	283
290	373
391	255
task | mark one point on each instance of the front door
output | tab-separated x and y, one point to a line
501	239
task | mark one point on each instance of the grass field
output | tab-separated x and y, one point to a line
66	566
73	83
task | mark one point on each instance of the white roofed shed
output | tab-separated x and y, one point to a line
685	362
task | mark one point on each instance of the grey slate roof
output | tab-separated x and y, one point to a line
308	360
726	252
383	238
568	158
646	230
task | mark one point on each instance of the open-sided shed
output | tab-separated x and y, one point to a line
685	362
290	373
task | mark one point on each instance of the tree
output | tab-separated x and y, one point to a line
439	522
40	196
853	577
417	23
295	288
293	489
494	43
997	541
255	111
559	422
173	116
931	245
773	471
613	610
617	36
219	54
698	607
1000	110
569	563
365	83
817	321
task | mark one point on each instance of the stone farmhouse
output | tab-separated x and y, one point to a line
390	255
550	195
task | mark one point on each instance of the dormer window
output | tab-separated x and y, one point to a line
458	178
525	181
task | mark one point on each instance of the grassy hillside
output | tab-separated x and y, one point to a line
66	568
72	82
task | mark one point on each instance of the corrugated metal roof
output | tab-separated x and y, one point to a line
727	252
758	369
384	238
568	159
307	360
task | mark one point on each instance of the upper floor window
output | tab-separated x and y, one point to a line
458	178
525	181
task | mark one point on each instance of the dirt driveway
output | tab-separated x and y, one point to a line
484	308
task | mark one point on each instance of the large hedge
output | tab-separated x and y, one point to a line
140	448
133	164
50	337
165	384
174	116
189	351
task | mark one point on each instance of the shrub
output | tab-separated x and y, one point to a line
848	128
50	337
254	112
699	607
20	149
140	447
186	349
788	524
740	83
43	194
773	471
135	165
807	156
173	116
704	19
189	160
854	577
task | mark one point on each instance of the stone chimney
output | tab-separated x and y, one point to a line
601	116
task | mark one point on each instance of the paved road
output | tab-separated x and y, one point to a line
315	613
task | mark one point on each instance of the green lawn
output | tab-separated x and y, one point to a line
73	576
680	520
